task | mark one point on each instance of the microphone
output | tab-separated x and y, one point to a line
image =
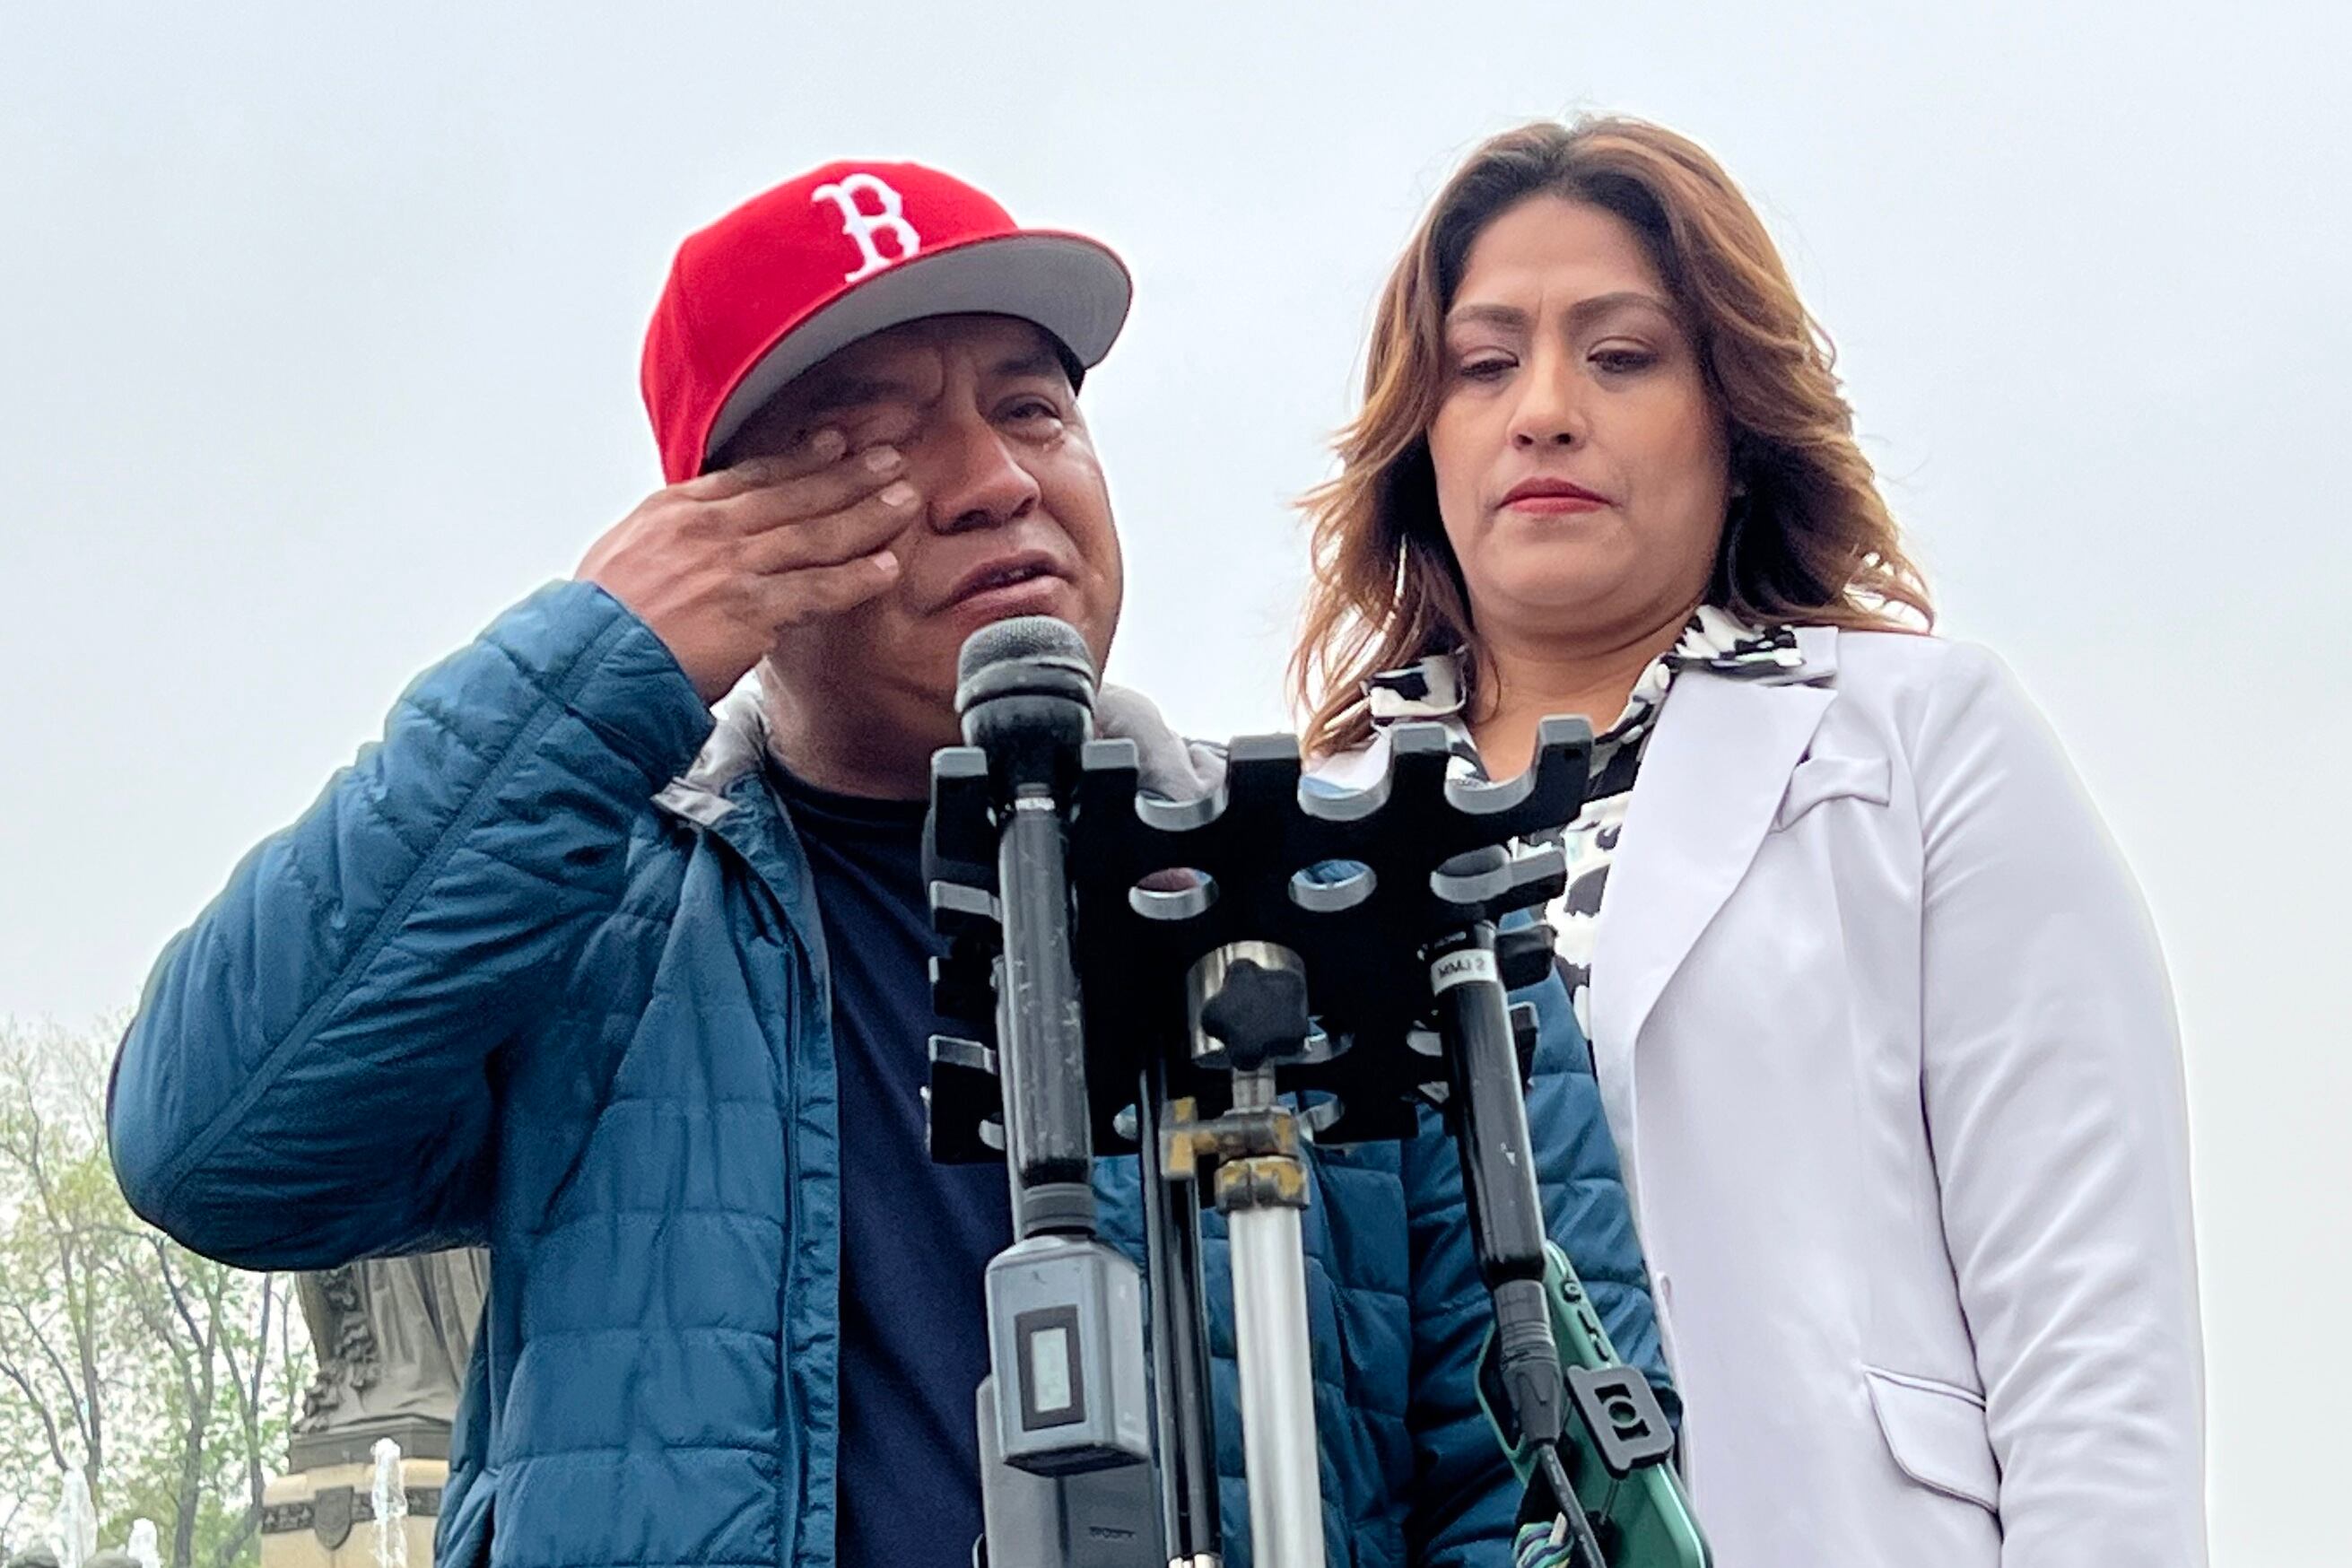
1066	1390
1043	637
1025	692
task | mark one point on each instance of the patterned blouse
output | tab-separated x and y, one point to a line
1432	689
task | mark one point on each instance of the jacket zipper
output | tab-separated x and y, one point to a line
802	990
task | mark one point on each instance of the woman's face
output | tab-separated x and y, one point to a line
1582	470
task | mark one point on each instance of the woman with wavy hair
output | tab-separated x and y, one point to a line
1879	1019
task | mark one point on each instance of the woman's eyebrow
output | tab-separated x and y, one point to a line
1511	317
1584	312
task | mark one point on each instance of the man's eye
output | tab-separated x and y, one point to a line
1031	408
889	423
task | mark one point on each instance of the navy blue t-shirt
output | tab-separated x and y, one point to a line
914	1237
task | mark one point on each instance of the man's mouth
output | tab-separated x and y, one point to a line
998	576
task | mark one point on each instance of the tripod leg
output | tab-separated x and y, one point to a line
1262	1196
1182	1404
1277	1388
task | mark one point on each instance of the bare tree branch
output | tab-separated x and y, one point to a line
249	1396
49	1352
261	1344
172	1284
40	1407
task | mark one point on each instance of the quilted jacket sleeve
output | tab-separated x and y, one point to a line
1465	1497
305	1081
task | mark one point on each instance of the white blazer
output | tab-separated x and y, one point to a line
1889	1053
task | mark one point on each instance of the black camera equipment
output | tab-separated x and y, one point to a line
1205	983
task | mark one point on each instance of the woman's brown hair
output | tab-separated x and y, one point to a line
1810	540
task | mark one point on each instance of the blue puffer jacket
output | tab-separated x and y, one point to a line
509	983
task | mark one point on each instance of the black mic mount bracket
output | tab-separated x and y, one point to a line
1319	910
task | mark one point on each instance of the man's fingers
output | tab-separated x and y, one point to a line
839	536
794	597
836	487
819	450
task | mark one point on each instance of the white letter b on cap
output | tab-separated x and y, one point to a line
861	226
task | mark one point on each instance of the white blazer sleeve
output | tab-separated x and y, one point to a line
2057	1117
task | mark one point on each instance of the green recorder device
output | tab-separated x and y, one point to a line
1620	1442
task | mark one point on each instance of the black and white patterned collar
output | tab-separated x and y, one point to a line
1436	689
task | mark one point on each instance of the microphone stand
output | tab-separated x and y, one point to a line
1601	1478
1487	1113
1067	1393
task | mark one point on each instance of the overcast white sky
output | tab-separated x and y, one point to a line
318	329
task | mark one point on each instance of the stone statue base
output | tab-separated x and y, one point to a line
393	1336
419	1436
325	1517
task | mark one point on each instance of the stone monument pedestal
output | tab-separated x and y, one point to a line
392	1337
324	1516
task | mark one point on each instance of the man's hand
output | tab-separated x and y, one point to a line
720	564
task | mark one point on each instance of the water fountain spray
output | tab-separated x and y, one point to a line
391	1501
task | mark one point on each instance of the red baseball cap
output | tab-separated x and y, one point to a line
839	254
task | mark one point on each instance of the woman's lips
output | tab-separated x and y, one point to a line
1554	505
1546	496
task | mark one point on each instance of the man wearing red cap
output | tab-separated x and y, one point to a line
614	961
864	385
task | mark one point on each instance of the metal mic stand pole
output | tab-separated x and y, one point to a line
1488	1111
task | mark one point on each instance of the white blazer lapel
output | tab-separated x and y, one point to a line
1711	777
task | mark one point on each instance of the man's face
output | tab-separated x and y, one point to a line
1013	517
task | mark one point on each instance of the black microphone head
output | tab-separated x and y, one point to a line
1022	637
1024	683
1027	655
